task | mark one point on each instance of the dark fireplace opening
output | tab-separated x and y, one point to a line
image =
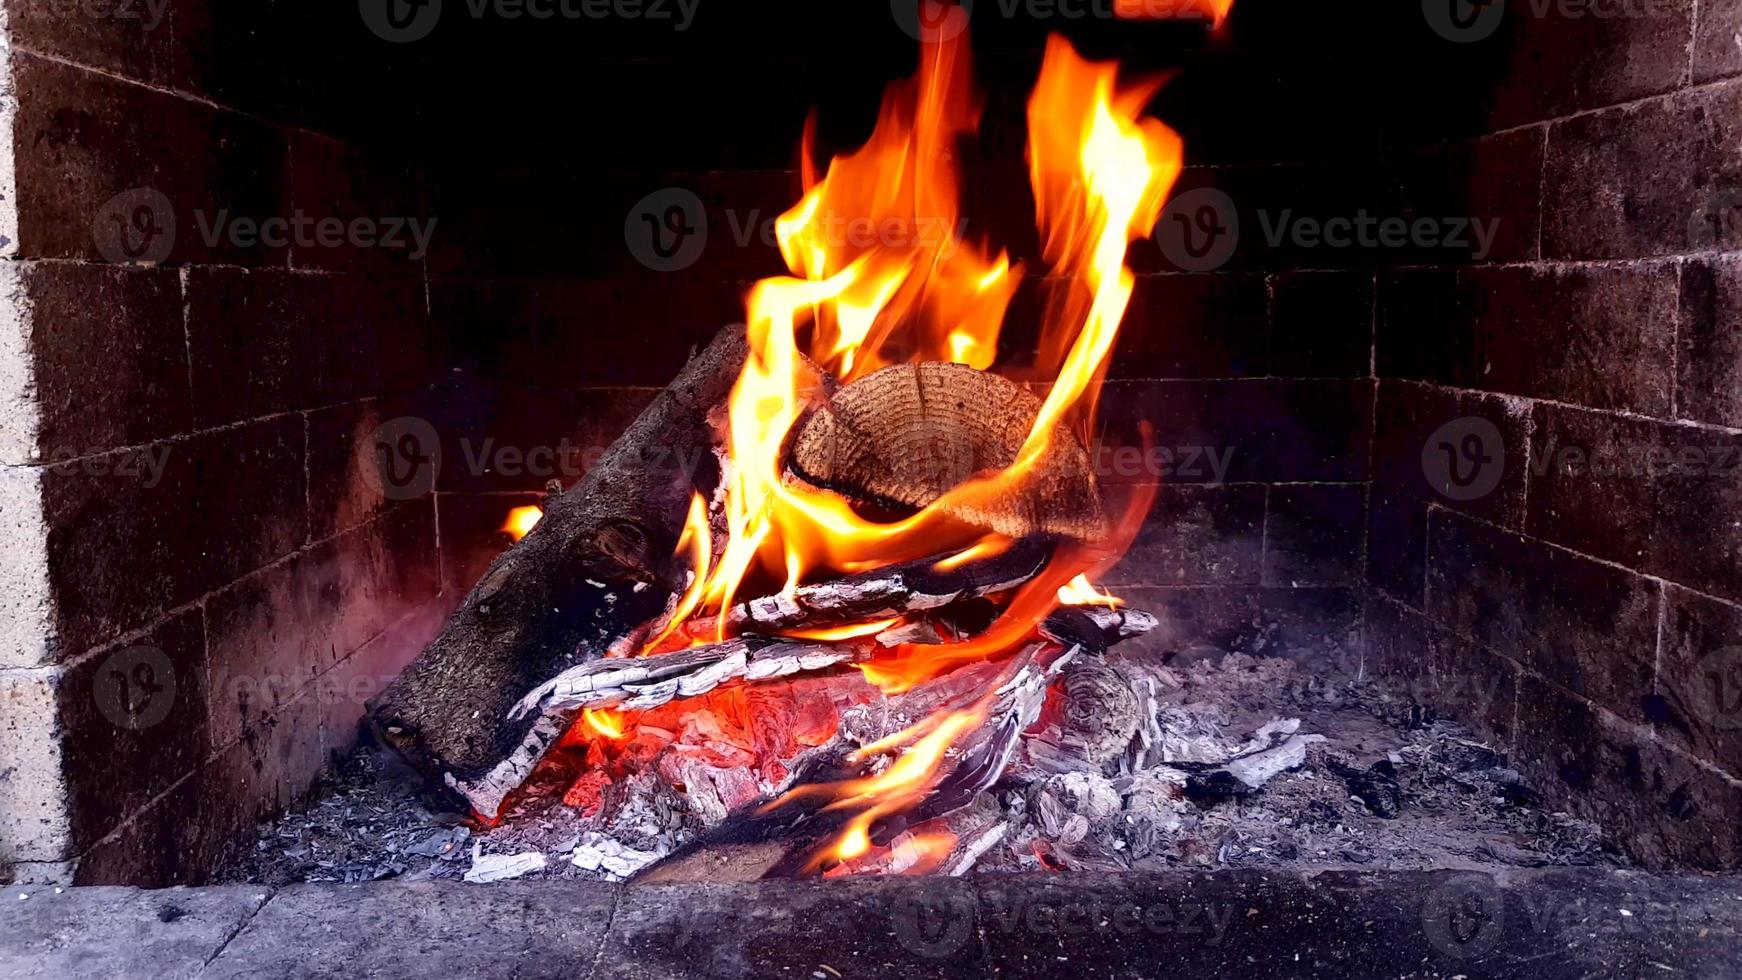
1432	366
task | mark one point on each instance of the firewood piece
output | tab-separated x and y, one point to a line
644	683
1100	711
596	567
909	587
908	434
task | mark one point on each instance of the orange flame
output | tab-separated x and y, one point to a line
1215	10
521	521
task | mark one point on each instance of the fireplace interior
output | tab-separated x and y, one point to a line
1430	387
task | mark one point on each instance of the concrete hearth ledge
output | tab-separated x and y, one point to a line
1539	924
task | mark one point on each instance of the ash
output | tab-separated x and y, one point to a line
1238	762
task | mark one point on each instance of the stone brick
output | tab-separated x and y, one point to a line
1664	809
1313	535
1647	179
1192	326
266	341
27	615
188	517
1474	685
1417	426
134	41
134	722
1709	379
1593	483
1394	645
273	633
1601	336
347	485
472	535
344	691
107	354
331	180
1472	189
1590	627
33	793
1198	535
1319	627
1700	677
119	930
1397	546
1657	496
82	139
1243	431
1562	62
1716	53
504	225
1321	325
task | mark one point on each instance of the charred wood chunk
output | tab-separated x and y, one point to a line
907	435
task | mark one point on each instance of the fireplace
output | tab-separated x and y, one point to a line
1425	389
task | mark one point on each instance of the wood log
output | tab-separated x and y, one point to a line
908	434
597	566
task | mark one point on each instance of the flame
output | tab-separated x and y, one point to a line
839	633
1081	592
521	521
604	722
881	273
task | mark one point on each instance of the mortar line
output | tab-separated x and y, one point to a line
1693	42
267	899
1675	346
1624	413
617	893
1663	96
190	436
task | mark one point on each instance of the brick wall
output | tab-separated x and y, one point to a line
203	579
1574	588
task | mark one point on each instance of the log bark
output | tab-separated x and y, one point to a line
596	567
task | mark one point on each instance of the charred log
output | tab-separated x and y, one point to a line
594	569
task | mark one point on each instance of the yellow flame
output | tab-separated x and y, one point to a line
603	722
521	521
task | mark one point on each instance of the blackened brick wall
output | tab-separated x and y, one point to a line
1575	588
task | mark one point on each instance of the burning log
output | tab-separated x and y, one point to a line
595	568
909	434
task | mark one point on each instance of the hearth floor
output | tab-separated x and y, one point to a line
1538	924
1387	789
